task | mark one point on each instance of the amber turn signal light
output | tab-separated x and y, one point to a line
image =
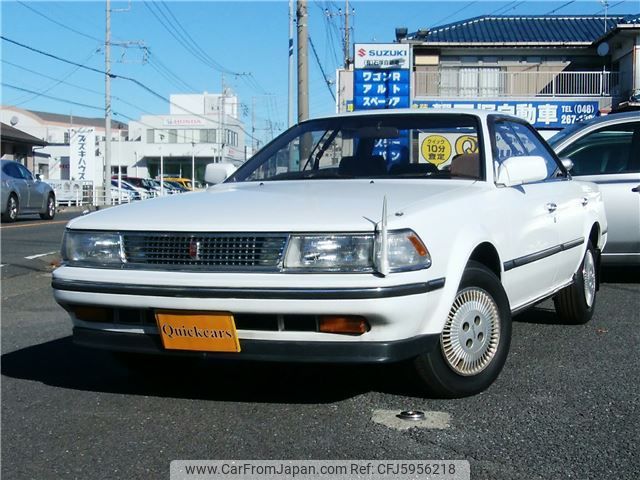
344	324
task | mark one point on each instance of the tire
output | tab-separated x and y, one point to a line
479	324
50	211
575	304
13	207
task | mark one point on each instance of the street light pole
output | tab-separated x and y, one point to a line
161	173
193	166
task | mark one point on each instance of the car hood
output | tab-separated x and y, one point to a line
321	205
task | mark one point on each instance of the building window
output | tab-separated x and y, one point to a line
150	135
207	136
66	138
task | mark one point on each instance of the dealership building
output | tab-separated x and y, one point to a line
550	70
199	129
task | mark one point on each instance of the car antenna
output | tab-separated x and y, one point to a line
381	238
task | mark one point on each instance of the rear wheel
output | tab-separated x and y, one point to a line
11	213
50	211
475	340
575	303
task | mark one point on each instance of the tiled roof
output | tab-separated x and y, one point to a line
515	30
631	19
77	120
9	133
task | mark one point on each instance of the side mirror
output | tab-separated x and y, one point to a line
518	170
567	163
38	177
218	172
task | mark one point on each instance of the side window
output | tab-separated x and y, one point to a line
604	151
11	169
534	146
507	143
26	174
514	139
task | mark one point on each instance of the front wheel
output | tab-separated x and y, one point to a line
50	211
11	213
475	340
575	303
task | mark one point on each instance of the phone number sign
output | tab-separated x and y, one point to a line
539	114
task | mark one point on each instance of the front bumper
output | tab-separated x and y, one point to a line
402	316
267	350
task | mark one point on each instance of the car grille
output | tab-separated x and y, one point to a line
208	251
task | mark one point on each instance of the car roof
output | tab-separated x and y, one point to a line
484	114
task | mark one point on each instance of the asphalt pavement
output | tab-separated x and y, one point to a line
567	404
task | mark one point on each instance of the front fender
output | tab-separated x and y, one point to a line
450	256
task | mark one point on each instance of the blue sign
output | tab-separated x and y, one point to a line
393	150
545	114
377	89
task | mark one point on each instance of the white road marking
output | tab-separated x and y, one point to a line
388	418
32	257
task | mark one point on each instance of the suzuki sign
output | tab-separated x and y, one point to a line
381	55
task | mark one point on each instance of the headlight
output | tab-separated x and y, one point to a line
95	248
405	251
330	253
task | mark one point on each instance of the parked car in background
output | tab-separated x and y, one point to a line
22	193
177	186
125	189
341	242
185	183
145	185
606	151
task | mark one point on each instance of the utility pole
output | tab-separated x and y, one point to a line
222	119
291	74
253	126
107	106
303	62
347	49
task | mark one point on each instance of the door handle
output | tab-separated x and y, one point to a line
551	207
585	200
636	189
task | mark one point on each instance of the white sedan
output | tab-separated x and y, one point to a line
371	237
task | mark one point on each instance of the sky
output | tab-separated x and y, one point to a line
241	44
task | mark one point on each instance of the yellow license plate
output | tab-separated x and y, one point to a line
200	331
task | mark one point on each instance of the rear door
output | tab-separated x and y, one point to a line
18	183
610	157
35	193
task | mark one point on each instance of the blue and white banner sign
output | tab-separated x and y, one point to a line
393	150
546	114
375	89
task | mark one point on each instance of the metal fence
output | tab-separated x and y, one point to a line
493	82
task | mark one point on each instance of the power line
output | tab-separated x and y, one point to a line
74	85
315	54
56	80
166	22
560	7
113	75
50	55
60	24
439	22
51	97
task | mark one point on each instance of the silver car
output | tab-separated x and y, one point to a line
606	150
22	193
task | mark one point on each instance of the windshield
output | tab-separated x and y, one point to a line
403	145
